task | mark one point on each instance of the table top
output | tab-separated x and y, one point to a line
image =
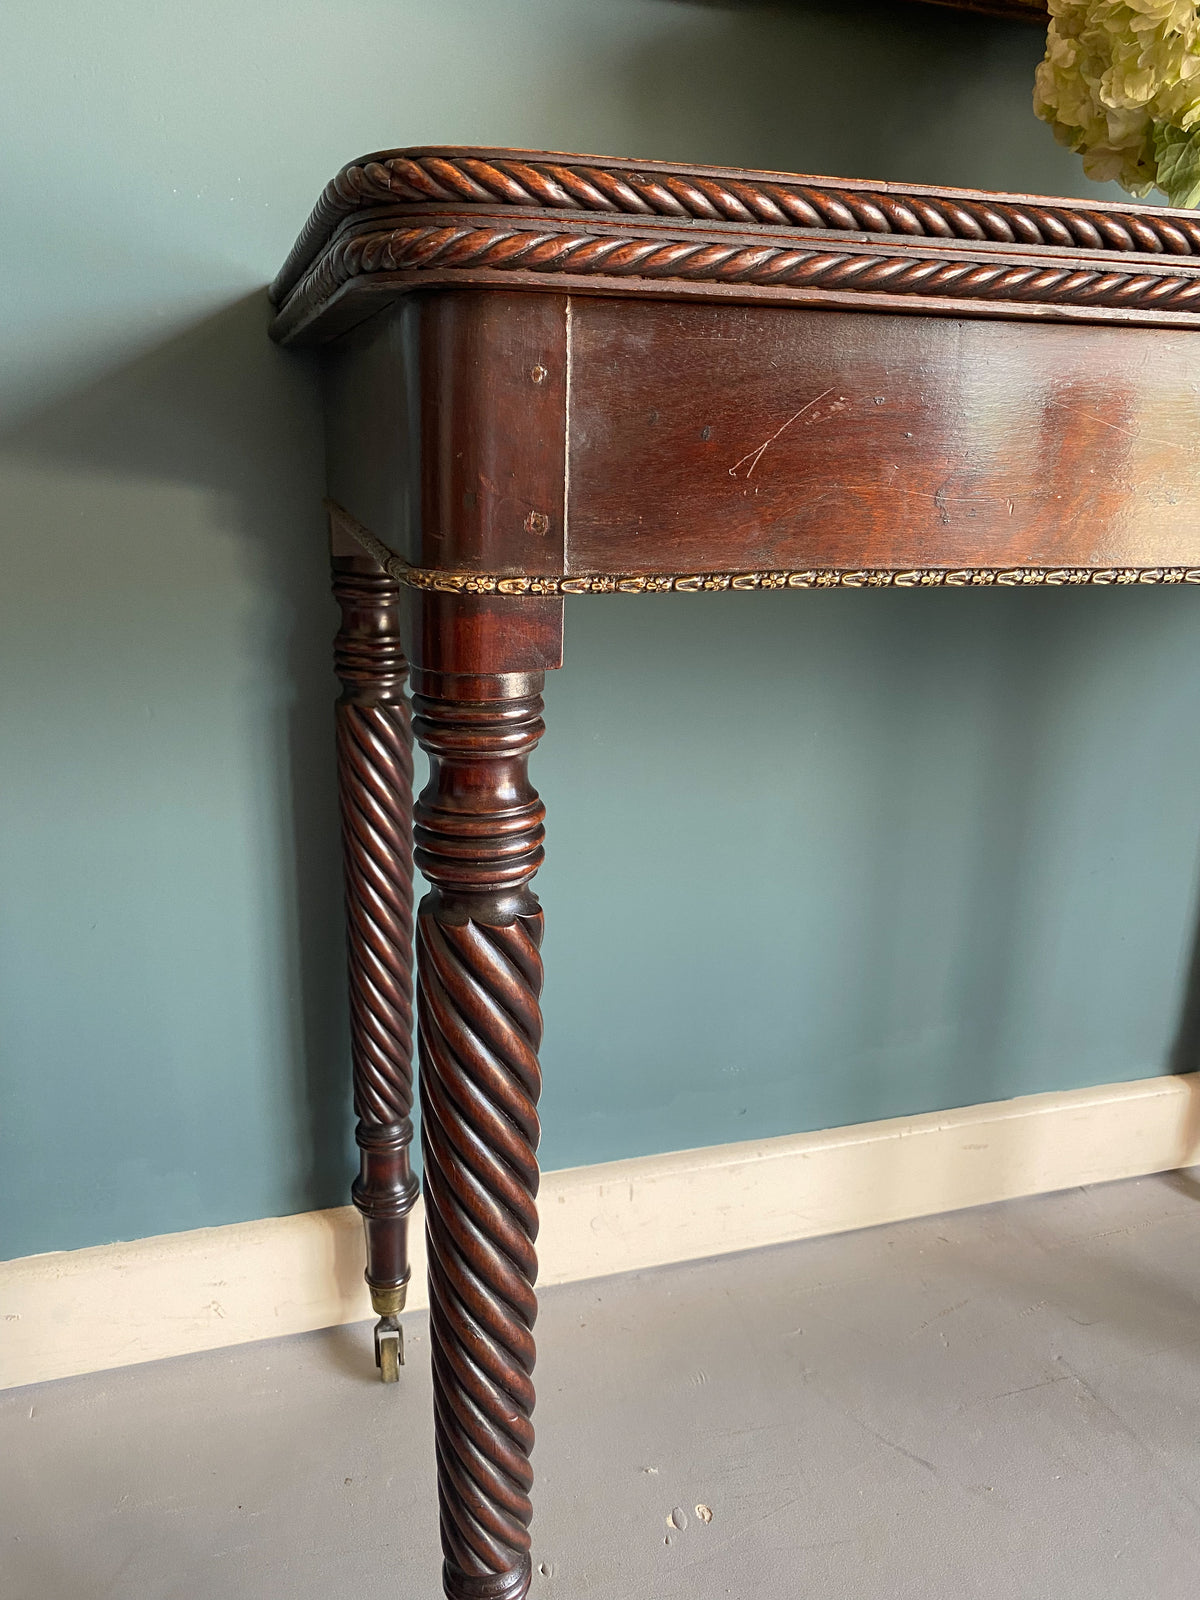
641	376
437	216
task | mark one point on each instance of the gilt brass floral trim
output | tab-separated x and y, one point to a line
438	580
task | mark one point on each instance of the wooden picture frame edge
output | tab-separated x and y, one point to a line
1019	10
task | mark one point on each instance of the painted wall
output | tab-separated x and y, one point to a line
813	859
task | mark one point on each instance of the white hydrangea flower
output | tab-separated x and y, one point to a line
1120	84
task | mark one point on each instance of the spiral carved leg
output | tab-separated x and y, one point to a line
479	1026
374	751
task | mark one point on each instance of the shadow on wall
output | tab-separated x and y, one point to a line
904	836
233	423
228	594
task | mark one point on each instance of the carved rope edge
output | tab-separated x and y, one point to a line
436	580
786	202
493	247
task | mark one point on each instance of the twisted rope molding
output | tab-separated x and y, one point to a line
556	184
496	248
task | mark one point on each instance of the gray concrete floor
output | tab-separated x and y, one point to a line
1000	1403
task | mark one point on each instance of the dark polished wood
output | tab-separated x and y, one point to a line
479	842
493	405
552	374
477	681
433	217
805	438
374	757
480	379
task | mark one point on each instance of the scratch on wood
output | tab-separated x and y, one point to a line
1091	417
1183	441
755	456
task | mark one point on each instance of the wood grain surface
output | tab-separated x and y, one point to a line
705	436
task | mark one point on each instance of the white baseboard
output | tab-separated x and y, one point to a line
86	1310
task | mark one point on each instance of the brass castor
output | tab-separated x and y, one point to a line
387	1301
389	1349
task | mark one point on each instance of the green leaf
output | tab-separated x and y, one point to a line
1177	156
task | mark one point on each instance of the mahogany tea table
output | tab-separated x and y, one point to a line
553	374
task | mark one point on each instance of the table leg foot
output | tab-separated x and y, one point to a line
511	1585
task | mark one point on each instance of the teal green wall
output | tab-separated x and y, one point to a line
813	859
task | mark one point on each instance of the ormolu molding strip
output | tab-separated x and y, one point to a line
443	581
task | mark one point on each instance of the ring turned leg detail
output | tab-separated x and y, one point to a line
479	841
374	761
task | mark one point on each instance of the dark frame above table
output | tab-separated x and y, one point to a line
1019	10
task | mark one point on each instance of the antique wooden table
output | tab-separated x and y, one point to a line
551	375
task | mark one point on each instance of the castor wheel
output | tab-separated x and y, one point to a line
389	1349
